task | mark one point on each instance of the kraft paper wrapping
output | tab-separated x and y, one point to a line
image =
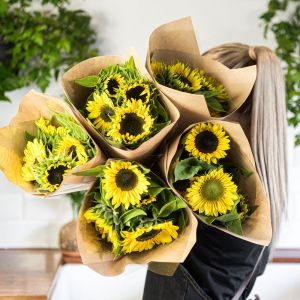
176	41
12	143
162	259
77	96
257	228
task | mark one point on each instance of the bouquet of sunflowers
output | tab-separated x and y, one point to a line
60	145
199	86
44	144
131	210
124	110
124	106
208	182
210	165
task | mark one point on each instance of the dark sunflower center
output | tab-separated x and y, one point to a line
132	124
126	180
148	235
184	80
212	190
56	175
206	142
112	86
106	113
135	93
72	152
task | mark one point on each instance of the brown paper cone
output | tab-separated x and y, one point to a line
162	259
176	41
77	96
12	143
257	228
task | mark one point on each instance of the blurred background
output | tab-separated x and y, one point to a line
57	37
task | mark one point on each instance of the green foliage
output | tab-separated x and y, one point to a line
189	167
40	44
76	200
283	19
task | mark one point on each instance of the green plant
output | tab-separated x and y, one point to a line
41	43
76	201
283	19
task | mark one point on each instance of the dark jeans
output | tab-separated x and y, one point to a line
216	268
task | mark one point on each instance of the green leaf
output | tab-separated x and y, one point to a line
130	64
158	127
170	207
245	172
182	220
251	209
228	217
208	219
133	213
214	104
188	168
64	44
155	188
235	226
162	112
38	38
3	7
28	137
89	81
96	172
75	129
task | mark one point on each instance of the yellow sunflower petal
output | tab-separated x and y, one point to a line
124	183
208	142
146	238
137	91
100	109
131	124
71	146
212	194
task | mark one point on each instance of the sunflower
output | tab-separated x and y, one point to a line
211	84
101	109
213	193
112	84
124	183
106	231
208	142
137	91
243	207
45	126
146	201
35	151
71	146
184	79
146	238
51	171
27	172
131	123
158	68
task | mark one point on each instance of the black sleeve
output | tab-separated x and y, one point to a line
216	269
220	262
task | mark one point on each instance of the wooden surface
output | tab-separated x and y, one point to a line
30	274
286	256
27	274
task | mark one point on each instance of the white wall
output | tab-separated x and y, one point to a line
27	222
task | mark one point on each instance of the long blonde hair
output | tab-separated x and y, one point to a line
267	118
